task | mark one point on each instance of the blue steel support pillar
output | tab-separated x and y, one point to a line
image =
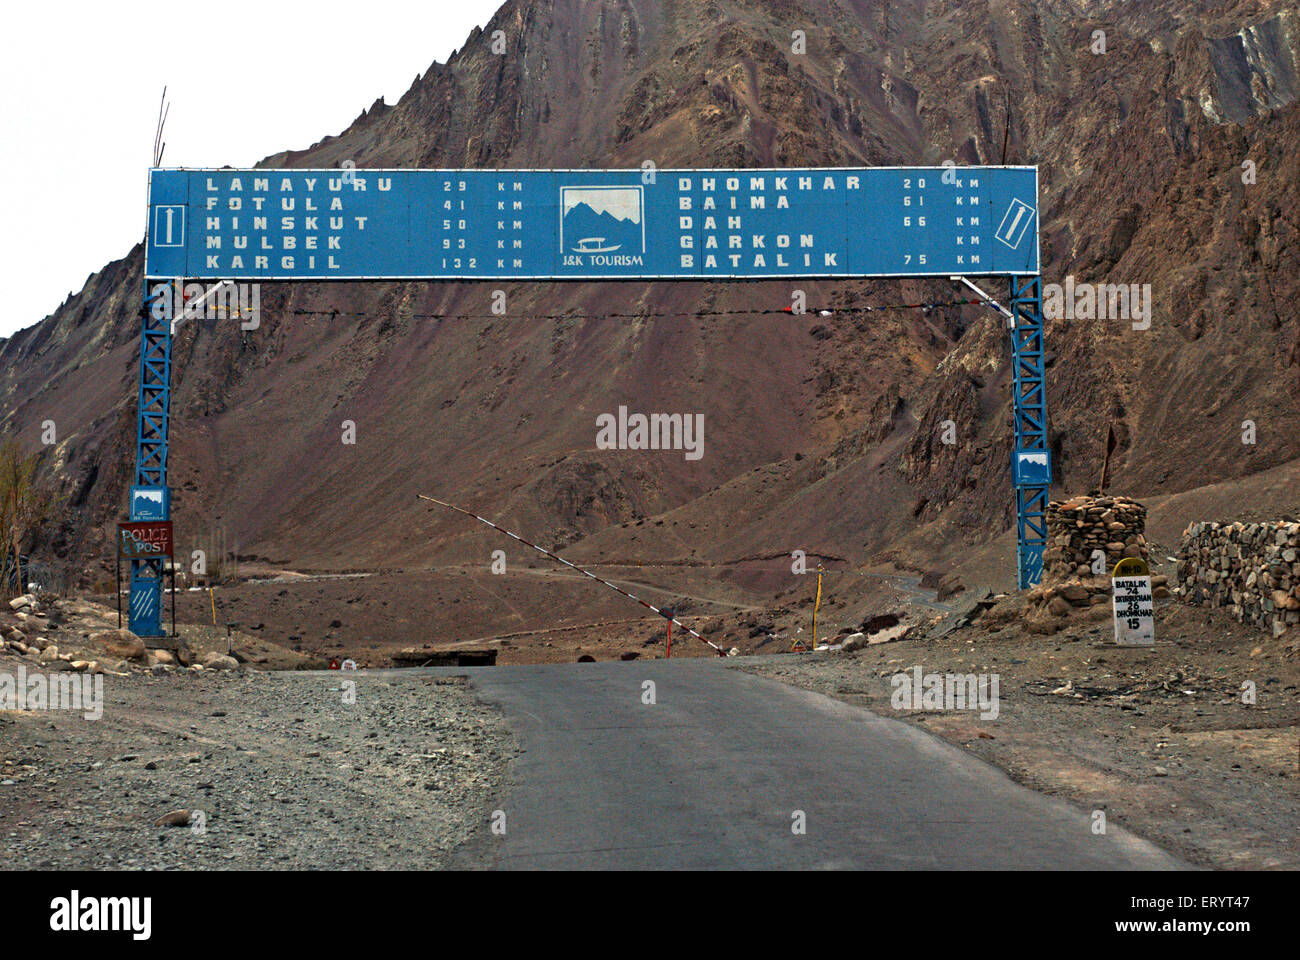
150	496
1031	458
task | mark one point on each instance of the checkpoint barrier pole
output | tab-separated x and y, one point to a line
816	605
586	573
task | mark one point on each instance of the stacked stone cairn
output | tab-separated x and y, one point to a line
1078	528
1251	569
1084	535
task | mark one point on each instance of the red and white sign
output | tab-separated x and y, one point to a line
145	540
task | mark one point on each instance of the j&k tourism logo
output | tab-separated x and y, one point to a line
602	226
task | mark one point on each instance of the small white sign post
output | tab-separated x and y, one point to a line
1135	624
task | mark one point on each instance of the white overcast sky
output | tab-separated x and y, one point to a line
80	84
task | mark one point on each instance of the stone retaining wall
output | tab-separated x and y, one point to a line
1250	569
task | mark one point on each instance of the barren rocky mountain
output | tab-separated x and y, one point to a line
822	431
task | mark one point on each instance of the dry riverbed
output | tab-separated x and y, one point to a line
285	772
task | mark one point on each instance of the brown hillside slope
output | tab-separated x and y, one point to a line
1140	152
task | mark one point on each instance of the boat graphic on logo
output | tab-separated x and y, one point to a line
602	220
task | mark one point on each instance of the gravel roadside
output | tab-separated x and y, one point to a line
286	773
1158	739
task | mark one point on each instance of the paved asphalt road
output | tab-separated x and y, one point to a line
709	776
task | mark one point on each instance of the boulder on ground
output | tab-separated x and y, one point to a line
18	603
854	641
121	645
160	656
49	654
1059	606
219	661
881	622
1041	624
1075	593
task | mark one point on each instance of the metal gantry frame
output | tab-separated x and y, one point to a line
152	429
1031	458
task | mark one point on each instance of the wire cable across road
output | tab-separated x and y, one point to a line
812	312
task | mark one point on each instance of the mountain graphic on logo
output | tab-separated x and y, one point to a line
602	220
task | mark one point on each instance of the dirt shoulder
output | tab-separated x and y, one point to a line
1159	739
287	773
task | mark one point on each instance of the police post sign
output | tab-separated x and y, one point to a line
147	540
592	224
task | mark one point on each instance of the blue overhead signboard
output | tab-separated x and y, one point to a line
592	224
